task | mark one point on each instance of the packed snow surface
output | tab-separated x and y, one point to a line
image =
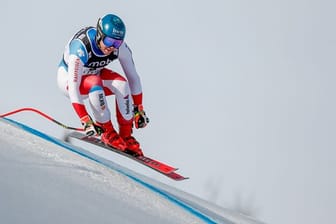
45	180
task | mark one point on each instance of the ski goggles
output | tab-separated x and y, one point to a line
111	42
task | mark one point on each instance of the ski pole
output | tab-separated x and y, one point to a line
43	115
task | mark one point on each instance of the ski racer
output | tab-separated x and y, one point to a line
83	74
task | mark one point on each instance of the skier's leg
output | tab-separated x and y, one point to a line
118	85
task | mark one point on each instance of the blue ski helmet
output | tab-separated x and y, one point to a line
110	26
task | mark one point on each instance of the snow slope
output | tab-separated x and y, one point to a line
45	180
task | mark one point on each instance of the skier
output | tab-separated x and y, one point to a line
82	74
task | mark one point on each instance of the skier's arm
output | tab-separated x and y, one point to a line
77	56
127	64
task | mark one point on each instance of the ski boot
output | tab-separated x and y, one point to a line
111	138
132	145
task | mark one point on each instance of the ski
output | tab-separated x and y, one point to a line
156	165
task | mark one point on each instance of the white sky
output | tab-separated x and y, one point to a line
240	93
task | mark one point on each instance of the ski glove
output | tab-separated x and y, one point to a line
140	118
90	127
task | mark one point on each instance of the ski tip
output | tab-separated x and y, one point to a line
182	178
177	177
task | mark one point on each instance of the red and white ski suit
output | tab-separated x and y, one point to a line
82	74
